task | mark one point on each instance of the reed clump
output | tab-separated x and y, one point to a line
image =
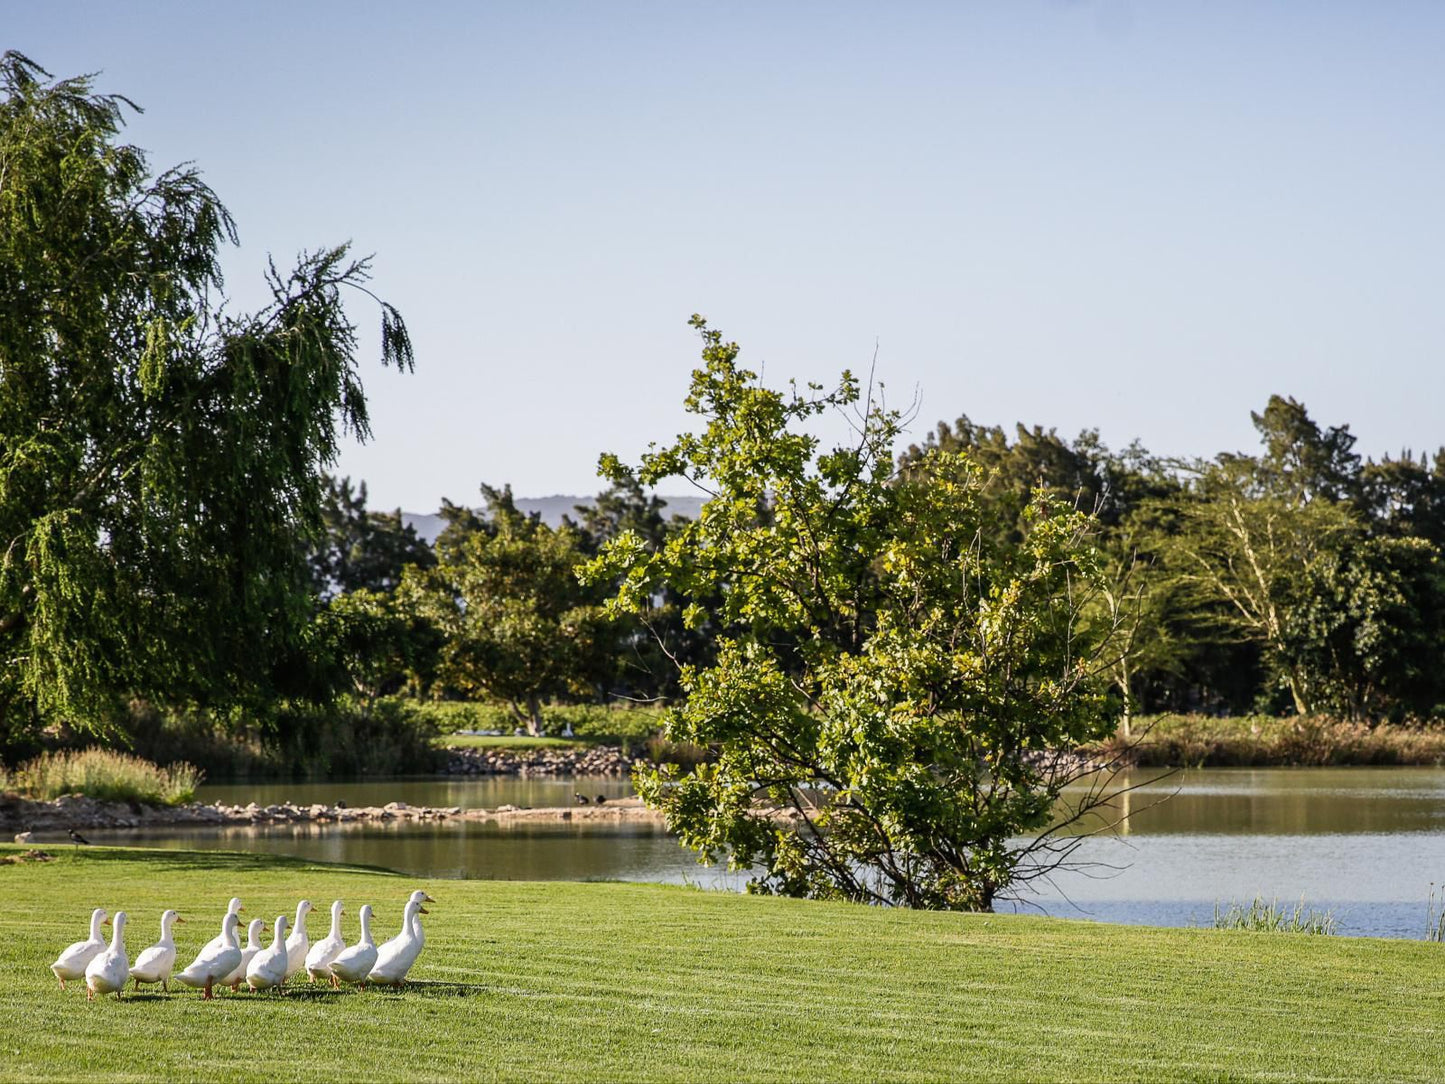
1263	916
1259	741
105	775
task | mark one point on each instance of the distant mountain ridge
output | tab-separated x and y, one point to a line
552	509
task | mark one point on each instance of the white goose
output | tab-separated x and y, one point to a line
298	944
70	964
211	965
268	967
318	959
355	963
219	941
253	946
106	973
395	958
157	961
420	897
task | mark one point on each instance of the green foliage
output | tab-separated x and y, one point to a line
293	741
885	672
381	640
160	459
1368	626
1247	555
105	775
360	549
517	625
594	722
1269	917
348	739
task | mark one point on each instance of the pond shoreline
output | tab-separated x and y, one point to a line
73	811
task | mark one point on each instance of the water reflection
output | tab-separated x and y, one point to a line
1284	801
469	792
1363	842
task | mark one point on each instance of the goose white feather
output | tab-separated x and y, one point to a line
211	965
253	946
298	944
320	955
219	941
268	967
355	963
70	964
155	963
395	958
420	897
106	973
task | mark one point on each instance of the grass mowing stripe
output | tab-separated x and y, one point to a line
606	981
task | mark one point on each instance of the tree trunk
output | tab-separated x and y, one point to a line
1126	722
534	716
1297	690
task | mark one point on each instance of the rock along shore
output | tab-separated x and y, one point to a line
19	815
592	760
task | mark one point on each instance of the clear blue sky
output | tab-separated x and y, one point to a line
1144	217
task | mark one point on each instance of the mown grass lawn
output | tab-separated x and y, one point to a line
507	741
617	982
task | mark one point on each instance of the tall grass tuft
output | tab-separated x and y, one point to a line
105	775
1270	917
1435	915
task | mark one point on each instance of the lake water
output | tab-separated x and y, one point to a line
1365	843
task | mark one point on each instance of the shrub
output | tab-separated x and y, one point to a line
106	775
685	754
391	737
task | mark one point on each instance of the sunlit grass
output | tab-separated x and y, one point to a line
506	741
103	774
611	982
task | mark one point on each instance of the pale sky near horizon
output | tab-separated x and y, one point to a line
1140	217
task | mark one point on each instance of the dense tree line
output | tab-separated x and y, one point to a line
1299	578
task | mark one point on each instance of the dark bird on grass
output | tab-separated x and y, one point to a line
77	838
582	799
601	798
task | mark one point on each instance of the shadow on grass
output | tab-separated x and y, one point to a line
320	993
165	859
433	989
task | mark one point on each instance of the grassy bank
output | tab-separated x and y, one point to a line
623	982
506	741
1199	741
346	739
615	724
102	774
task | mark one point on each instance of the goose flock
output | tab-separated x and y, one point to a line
223	962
